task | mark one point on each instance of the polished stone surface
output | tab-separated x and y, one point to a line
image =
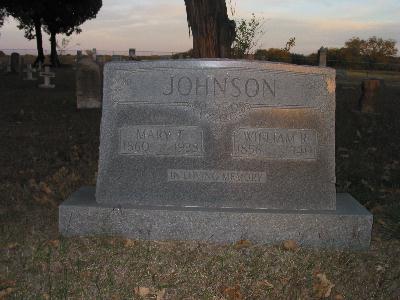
349	226
217	134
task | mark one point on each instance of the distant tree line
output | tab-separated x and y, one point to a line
373	53
52	16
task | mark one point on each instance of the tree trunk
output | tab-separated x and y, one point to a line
213	32
55	62
39	43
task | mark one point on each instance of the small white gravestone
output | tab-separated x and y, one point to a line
29	71
47	75
322	56
79	55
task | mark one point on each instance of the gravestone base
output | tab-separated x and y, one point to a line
347	227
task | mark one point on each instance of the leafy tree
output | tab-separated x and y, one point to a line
378	50
373	50
3	15
273	54
65	17
29	15
290	44
63	45
57	16
247	36
213	32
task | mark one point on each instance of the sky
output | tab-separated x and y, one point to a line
160	25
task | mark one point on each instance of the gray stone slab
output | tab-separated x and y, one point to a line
15	62
217	133
349	226
88	84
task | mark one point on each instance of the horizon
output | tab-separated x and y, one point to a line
122	24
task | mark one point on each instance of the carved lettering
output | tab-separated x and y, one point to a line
275	143
159	140
222	89
171	87
248	85
222	176
181	86
227	86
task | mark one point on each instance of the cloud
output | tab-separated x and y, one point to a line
312	34
160	25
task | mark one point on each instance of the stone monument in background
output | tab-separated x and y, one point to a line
47	75
88	84
132	53
218	150
15	62
322	55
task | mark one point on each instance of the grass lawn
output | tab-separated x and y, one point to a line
48	149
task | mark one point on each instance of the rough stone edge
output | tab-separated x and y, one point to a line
220	63
348	227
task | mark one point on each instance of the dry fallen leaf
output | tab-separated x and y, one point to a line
46	296
322	286
45	188
290	245
160	294
6	292
379	268
338	297
43	199
142	291
264	284
54	243
232	293
145	291
128	243
242	244
11	246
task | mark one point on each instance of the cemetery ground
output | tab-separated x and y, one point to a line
48	149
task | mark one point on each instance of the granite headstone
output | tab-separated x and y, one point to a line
79	55
242	136
132	53
218	150
322	55
94	54
15	62
88	84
